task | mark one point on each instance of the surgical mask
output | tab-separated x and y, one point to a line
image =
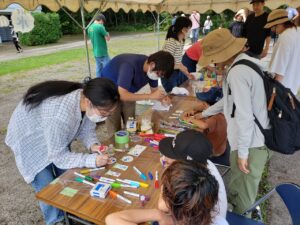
94	117
152	75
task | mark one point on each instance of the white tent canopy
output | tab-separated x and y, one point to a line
145	5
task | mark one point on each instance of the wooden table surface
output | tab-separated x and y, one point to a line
95	210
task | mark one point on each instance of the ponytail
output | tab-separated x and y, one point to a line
101	92
180	23
42	91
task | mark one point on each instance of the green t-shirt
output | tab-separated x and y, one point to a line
97	35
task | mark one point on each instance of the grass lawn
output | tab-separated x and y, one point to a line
142	45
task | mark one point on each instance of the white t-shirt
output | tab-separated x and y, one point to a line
207	24
221	207
286	57
220	221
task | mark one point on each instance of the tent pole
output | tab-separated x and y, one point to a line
157	31
85	38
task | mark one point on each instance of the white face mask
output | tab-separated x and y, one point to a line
94	117
152	75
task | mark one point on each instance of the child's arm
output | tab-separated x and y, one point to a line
199	123
136	216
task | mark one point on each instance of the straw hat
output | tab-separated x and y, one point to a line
277	16
219	46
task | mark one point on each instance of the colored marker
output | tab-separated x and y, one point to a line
130	182
79	179
156	184
143	176
144	185
118	185
91	170
106	180
116	195
132	194
84	177
150	175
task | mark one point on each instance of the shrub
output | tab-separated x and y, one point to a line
47	29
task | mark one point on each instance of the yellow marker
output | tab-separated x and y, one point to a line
144	185
91	170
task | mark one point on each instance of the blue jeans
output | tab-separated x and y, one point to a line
175	80
51	214
195	34
190	64
100	64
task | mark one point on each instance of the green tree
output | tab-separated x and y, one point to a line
46	30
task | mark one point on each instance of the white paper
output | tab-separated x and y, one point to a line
160	107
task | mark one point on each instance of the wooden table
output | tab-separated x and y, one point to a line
95	210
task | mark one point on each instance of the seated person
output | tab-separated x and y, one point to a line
193	146
188	196
214	128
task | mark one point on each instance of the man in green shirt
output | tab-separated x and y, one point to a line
99	36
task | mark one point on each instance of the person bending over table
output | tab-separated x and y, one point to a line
50	117
131	72
188	195
214	128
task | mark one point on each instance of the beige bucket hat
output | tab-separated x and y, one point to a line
277	16
219	46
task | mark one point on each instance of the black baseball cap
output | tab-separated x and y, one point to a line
100	17
189	145
252	1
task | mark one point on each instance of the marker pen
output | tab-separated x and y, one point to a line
115	195
143	176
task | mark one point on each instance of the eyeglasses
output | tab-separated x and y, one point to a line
103	112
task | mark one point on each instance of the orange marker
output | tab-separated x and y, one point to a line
116	195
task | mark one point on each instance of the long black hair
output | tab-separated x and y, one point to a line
174	30
101	92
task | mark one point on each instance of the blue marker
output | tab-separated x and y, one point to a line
150	175
143	176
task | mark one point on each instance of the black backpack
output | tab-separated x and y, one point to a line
283	111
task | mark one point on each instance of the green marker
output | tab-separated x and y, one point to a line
83	176
118	185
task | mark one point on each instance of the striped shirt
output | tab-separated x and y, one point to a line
175	48
42	135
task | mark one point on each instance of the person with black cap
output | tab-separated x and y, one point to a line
192	146
258	37
99	36
188	196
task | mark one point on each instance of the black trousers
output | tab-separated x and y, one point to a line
16	43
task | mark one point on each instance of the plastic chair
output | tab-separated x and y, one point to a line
290	195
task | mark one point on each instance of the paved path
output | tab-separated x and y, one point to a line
8	52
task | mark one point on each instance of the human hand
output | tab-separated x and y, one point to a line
198	116
191	112
190	76
157	94
101	160
243	165
166	101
